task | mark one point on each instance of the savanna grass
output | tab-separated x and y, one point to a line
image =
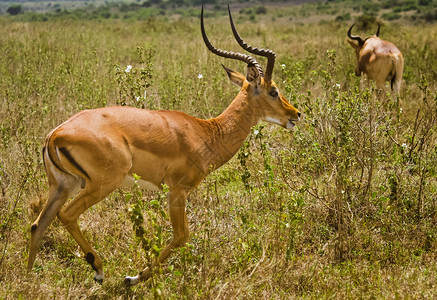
342	207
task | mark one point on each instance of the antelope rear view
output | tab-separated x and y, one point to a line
379	60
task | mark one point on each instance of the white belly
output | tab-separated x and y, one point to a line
129	182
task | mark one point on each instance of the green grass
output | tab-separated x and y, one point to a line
342	207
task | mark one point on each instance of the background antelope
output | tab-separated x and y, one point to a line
97	151
379	60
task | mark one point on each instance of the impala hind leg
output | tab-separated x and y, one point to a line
380	87
90	195
179	224
60	190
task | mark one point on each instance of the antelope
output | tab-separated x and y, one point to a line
379	60
97	151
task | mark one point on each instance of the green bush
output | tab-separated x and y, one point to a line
261	10
14	9
391	16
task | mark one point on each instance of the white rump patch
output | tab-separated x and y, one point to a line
129	182
69	181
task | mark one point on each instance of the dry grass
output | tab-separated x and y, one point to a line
325	216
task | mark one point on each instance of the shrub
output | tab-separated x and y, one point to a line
261	10
365	22
14	9
391	16
430	16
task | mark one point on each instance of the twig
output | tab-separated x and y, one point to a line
220	292
8	234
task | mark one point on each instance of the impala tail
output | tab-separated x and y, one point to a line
397	78
62	185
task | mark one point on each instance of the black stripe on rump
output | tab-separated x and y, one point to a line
392	81
70	158
51	159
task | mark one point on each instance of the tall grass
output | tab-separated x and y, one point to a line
342	207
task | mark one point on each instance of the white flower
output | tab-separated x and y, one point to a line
283	66
338	85
255	132
404	145
200	76
138	98
129	67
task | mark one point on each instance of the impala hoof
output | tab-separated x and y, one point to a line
98	278
130	281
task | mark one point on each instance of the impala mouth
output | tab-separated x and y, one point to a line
290	124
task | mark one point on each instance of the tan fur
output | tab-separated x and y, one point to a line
380	61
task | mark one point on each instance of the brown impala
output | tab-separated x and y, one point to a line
379	60
97	151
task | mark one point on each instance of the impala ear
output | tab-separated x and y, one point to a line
235	77
253	75
355	46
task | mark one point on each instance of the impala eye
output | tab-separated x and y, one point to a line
274	94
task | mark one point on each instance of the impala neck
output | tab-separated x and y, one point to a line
232	127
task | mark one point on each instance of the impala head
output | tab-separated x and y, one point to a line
360	44
360	41
269	104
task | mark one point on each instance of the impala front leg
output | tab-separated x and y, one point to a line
179	223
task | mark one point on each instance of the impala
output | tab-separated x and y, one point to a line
96	151
379	60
